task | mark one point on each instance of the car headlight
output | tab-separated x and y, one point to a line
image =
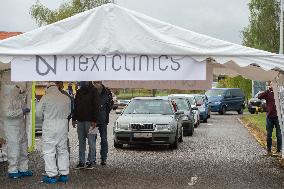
185	118
218	102
121	126
163	127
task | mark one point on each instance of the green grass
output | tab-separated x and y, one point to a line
259	121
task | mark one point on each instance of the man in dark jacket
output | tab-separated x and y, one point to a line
106	103
271	120
86	108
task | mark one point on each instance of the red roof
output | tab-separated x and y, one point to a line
4	35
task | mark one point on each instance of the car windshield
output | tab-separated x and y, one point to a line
181	104
149	106
215	92
199	99
191	100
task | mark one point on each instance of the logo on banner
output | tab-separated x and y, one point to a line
43	67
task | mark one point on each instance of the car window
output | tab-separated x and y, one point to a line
199	99
182	104
191	100
149	106
215	92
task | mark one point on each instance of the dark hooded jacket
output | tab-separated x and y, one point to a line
86	105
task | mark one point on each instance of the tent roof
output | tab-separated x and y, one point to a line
111	29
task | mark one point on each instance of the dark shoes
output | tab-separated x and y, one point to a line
103	162
80	166
90	165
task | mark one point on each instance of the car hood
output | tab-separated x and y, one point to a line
145	118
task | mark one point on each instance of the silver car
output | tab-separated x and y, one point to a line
149	120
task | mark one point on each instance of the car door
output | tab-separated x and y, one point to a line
228	100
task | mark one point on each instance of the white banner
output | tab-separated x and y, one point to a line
106	67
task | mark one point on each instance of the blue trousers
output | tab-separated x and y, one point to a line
270	124
83	130
104	144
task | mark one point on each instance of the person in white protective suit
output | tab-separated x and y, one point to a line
54	108
13	110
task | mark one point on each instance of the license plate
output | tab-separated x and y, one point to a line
142	135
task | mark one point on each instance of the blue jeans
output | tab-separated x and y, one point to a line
104	143
270	124
83	130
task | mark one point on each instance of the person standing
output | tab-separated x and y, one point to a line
55	108
86	107
271	120
14	111
106	103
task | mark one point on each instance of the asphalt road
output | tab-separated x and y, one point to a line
221	154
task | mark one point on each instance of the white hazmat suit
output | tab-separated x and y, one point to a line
55	107
13	103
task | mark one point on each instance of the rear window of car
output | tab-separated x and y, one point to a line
149	106
181	104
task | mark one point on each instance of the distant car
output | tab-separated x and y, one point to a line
120	105
114	98
226	99
183	104
149	120
203	106
256	105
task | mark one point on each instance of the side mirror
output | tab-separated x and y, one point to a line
194	108
179	112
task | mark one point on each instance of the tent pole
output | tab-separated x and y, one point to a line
32	147
281	27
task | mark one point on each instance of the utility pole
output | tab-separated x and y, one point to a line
281	28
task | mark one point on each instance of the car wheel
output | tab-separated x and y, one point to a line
180	139
205	120
190	133
209	115
223	110
174	145
117	145
241	111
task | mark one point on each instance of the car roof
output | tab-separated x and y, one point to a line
152	98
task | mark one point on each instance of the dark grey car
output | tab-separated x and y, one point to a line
183	104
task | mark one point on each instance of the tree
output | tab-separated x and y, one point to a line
263	30
237	82
44	15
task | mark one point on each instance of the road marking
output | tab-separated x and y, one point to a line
193	181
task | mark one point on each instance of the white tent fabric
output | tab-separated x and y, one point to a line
111	29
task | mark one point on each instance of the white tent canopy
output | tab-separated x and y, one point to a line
111	29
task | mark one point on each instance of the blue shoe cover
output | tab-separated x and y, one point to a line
26	173
14	175
49	180
63	178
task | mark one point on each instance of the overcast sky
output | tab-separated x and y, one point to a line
222	19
